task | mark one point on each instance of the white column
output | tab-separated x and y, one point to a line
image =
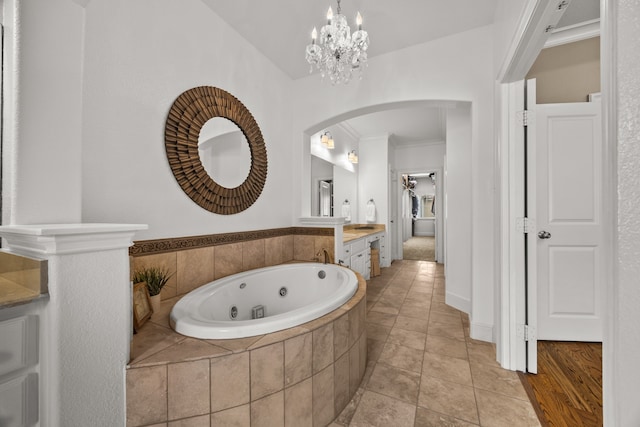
85	327
622	342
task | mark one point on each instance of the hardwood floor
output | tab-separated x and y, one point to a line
567	391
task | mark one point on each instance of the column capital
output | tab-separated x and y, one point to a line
61	239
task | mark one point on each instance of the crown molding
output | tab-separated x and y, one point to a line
574	33
349	130
413	144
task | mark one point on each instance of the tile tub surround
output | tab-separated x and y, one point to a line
300	376
197	260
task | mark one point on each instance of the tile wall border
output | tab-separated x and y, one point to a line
158	246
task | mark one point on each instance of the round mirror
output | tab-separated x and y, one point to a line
224	152
187	117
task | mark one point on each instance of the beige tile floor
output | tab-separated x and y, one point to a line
423	368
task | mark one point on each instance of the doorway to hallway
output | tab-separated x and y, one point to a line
419	248
420	225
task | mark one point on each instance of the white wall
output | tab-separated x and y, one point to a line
458	211
419	157
372	178
458	68
622	342
42	112
139	57
507	17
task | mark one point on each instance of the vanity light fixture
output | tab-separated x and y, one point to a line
327	140
352	156
339	53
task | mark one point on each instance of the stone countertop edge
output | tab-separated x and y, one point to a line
350	232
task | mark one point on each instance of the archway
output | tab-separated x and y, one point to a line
457	122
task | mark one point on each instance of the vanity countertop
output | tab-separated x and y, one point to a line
12	293
22	279
356	231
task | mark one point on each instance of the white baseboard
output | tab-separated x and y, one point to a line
481	331
458	302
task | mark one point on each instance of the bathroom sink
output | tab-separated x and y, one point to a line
364	227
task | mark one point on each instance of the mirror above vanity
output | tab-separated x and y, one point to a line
334	179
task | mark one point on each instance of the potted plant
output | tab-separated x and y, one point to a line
155	278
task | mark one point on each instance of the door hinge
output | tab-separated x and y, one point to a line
526	332
524	225
523	118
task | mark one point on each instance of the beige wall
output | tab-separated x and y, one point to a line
567	73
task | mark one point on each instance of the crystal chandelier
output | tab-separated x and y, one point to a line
339	53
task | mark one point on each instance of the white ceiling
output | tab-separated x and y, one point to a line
406	125
281	29
411	125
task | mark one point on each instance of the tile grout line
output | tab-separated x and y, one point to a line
424	350
460	317
473	382
385	288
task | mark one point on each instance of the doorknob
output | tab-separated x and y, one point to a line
544	234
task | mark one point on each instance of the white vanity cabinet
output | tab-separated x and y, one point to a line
376	241
18	368
357	253
346	261
359	257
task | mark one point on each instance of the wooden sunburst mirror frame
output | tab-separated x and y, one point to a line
190	111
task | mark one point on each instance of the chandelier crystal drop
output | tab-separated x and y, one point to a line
339	54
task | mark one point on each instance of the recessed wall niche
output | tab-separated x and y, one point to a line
188	114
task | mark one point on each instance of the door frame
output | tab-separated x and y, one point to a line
510	349
440	219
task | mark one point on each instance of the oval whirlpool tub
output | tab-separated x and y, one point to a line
263	300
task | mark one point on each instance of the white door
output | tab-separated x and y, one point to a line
392	230
565	195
